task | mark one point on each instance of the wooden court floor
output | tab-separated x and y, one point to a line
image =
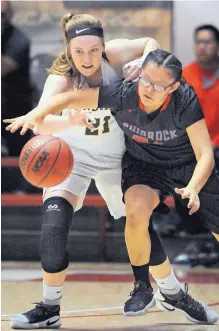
94	295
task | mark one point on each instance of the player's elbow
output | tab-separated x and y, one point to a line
154	42
212	161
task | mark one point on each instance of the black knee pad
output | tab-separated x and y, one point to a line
57	218
158	255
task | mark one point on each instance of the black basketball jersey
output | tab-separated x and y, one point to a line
159	138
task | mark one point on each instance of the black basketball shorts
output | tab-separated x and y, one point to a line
165	180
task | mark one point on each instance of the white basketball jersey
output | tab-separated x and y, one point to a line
104	146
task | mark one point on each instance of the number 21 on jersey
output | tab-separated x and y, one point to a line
101	126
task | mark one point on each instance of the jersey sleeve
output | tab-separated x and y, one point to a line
191	110
118	96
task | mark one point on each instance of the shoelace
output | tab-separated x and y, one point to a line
133	292
41	309
189	301
136	290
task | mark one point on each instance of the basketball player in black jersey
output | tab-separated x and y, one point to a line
168	152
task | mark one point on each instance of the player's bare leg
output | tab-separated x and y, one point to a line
140	200
170	295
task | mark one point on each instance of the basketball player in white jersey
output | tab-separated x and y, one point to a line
97	154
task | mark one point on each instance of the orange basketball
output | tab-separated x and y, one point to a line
46	161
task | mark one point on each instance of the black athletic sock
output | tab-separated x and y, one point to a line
142	273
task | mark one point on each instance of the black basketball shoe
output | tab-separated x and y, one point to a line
194	310
41	317
142	298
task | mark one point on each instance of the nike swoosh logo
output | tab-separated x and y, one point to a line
167	307
79	31
51	323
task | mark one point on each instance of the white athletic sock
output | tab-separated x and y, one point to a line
169	284
52	294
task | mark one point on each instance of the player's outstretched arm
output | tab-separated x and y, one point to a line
52	123
79	99
104	97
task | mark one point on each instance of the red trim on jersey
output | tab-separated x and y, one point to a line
166	102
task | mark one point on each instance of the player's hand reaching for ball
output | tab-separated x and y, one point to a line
28	121
191	194
51	123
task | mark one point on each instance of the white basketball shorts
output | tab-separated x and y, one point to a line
108	183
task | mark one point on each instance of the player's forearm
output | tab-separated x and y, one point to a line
52	124
151	45
202	171
79	99
54	105
41	111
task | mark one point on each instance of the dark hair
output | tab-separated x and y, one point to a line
209	27
165	59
